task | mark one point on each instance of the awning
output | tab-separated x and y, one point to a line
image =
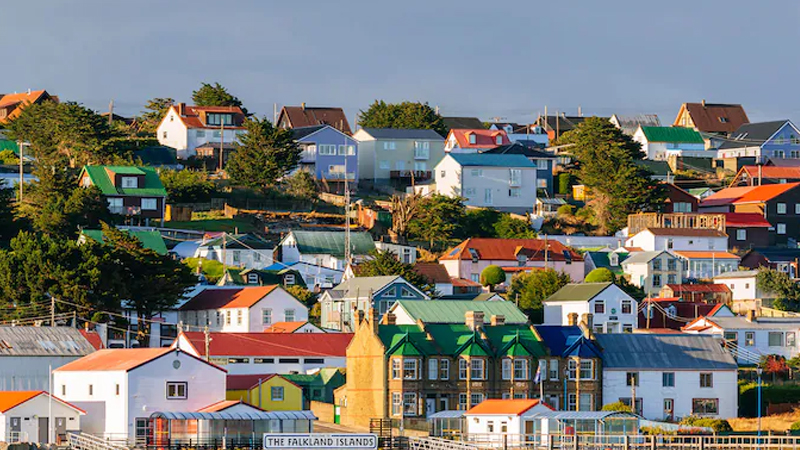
581	415
448	414
255	415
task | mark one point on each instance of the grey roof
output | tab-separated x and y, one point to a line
301	132
43	341
738	274
664	351
752	134
518	149
400	133
581	415
775	254
761	323
362	286
462	122
578	292
641	257
448	414
452	311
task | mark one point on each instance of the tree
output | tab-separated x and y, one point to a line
530	289
56	206
508	227
404	210
781	286
480	222
387	263
605	158
408	115
600	275
187	186
215	95
300	184
564	180
156	109
8	158
264	155
436	219
492	275
304	295
8	226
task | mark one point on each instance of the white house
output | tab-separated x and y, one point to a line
653	270
492	419
185	128
669	376
742	284
751	337
120	389
706	265
247	251
505	182
25	417
684	239
242	309
324	248
610	309
313	275
261	353
28	353
526	134
660	143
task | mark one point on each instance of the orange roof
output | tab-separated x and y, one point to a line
633	249
507	250
521	269
11	399
705	255
284	327
509	407
225	404
434	272
93	338
463	282
192	116
20	99
773	172
483	138
217	298
694	288
745	220
747	194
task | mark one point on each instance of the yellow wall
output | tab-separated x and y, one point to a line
292	395
366	388
240	394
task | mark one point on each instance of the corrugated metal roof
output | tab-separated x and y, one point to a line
447	414
492	160
582	415
761	323
581	292
664	351
43	341
641	257
452	311
149	239
152	183
363	286
672	134
399	133
332	242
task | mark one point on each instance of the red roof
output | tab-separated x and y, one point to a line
194	116
747	194
521	269
216	298
778	172
463	282
19	100
12	399
272	344
694	288
510	407
93	338
705	255
745	220
121	360
307	116
483	138
434	272
284	327
507	250
714	117
225	404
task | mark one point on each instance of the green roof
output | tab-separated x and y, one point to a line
152	184
672	134
332	242
241	241
458	339
452	311
149	239
578	292
237	276
9	145
601	260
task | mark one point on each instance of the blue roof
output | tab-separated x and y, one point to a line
583	348
491	160
279	265
582	415
558	338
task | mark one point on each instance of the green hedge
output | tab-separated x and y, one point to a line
748	396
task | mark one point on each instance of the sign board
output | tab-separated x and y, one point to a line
313	441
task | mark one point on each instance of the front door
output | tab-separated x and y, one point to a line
612	327
430	406
43	430
61	429
443	404
669	408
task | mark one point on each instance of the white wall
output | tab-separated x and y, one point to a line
743	288
709	267
642	274
465	268
29	373
185	140
687	387
279	301
105	410
34	408
245	258
649	242
556	313
465	182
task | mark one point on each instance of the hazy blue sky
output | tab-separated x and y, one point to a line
484	59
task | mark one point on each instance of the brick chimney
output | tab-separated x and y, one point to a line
181	109
498	319
374	320
572	319
359	317
473	319
750	315
587	322
303	105
389	319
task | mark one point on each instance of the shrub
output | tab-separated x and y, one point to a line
718	425
564	210
8	157
492	275
795	426
600	275
563	183
187	186
616	406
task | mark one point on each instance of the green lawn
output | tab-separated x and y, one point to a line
211	269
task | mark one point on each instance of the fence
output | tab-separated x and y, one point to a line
628	442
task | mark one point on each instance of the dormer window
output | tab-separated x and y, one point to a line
723	120
130	182
613	259
252	278
473	139
499	139
219	119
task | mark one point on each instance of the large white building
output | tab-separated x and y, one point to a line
610	308
242	309
120	389
669	376
185	128
679	239
659	143
505	182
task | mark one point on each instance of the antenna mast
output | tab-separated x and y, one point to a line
347	255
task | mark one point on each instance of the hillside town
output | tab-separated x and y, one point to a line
198	265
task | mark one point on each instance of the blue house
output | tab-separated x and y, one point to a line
764	140
328	153
543	161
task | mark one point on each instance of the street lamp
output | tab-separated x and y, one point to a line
759	370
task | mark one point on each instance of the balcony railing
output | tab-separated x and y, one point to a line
340	176
417	174
125	210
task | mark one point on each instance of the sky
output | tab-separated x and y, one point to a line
506	60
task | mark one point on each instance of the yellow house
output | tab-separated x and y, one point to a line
270	392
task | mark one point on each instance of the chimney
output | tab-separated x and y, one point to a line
498	319
588	319
473	319
389	319
572	319
303	105
704	103
359	317
751	315
181	109
374	319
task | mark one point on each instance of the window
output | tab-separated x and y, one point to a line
632	379
627	328
681	207
397	402
410	369
164	135
384	165
572	369
749	338
586	402
469	191
228	317
627	307
723	120
587	370
442	173
670	244
176	390
476	277
487	196
477	371
276	393
462	402
672	265
476	172
219	119
781	228
347	150
236	256
706	380
114	203
790	339
657	264
149	204
741	235
266	316
514	192
91	389
797	208
400	165
420	166
326	149
395	368
421	150
391	292
656	280
599	307
116	390
473	138
515	177
63	390
263	360
668	379
409	403
433	369
238	317
406	293
521	371
130	182
775	339
572	402
444	369
390	145
499	139
507	368
289	279
637	408
553	370
289	315
217	134
476	399
705	406
781	208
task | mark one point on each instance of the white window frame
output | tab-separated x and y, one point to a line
266	316
276	393
397	403
463	368
521	369
409	403
780	208
506	368
396	368
444	369
741	235
149	204
129	182
477	366
289	315
174	390
411	369
781	228
385	164
433	369
587	369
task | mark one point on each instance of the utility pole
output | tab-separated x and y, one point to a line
224	255
207	341
110	112
275	113
21	146
347	253
52	311
545	252
221	140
